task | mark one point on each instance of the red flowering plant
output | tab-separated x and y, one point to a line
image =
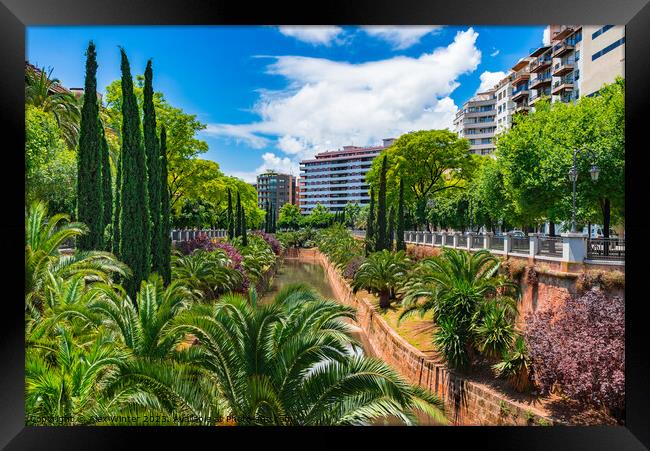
579	347
202	241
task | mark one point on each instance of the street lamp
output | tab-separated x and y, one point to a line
573	176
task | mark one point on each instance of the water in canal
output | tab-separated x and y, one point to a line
313	274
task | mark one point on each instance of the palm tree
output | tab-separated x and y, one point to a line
207	272
382	272
44	263
473	307
289	362
45	93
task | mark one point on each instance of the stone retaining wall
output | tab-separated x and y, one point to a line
469	403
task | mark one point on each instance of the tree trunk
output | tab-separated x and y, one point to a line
384	298
605	207
551	228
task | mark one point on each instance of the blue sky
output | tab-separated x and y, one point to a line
274	95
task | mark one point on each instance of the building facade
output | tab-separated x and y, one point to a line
336	178
476	122
275	189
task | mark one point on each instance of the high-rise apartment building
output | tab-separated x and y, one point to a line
276	189
476	122
335	178
504	104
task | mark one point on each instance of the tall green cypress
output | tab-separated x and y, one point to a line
135	238
107	189
230	218
153	169
273	213
400	245
382	239
165	226
391	228
115	242
90	200
267	217
238	216
370	226
244	234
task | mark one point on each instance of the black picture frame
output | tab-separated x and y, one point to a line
15	15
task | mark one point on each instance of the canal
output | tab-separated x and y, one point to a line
295	270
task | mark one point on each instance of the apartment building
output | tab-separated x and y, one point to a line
335	178
276	189
476	122
504	104
578	62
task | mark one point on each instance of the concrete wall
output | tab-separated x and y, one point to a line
468	402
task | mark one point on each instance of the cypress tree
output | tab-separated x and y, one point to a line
107	189
238	216
89	170
400	245
370	226
273	212
165	226
391	228
382	239
244	235
267	217
230	218
153	169
135	239
115	242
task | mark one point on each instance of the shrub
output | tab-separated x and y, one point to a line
580	348
515	365
353	266
514	268
422	252
202	241
271	241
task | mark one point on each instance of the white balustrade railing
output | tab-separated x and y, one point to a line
569	247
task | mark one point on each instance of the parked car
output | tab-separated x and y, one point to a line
517	234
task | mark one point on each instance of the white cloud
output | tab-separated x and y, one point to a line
489	79
328	104
401	37
546	37
495	53
312	34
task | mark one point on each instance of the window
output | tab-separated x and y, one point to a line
607	49
597	33
577	56
576	74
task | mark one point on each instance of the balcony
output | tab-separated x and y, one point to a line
561	49
561	86
563	68
537	96
520	94
541	63
540	82
563	32
520	77
522	108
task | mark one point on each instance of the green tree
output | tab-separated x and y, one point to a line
238	224
90	202
391	229
165	212
535	157
107	191
473	307
117	199
429	161
134	203
352	212
282	363
152	151
400	245
244	232
289	217
371	234
231	218
320	217
381	272
45	93
382	238
50	168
